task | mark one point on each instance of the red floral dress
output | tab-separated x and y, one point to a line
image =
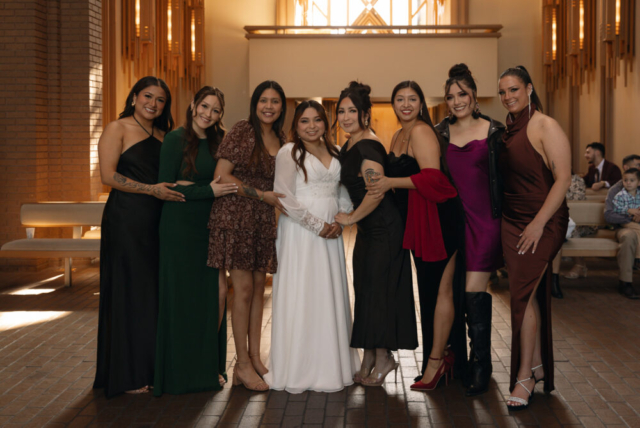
243	230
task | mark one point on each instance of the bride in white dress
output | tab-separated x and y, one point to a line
311	316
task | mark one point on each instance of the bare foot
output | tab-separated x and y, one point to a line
142	390
221	380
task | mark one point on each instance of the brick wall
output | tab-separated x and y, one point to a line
50	109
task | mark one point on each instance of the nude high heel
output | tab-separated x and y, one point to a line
259	385
377	378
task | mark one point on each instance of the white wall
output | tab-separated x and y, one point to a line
520	44
227	50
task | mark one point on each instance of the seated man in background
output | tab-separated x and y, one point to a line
627	238
602	173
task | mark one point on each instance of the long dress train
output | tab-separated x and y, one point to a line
311	324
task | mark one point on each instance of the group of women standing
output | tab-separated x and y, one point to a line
462	198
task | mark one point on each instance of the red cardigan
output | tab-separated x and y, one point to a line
423	234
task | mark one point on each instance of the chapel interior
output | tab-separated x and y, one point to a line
66	67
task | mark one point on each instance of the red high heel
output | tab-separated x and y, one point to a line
450	358
445	370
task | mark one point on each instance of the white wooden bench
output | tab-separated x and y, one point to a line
603	244
57	214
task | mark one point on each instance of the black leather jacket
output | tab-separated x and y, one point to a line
494	141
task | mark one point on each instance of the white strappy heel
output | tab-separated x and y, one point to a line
523	404
533	374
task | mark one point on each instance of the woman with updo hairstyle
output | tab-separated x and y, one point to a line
536	168
472	143
434	231
191	344
129	152
243	225
311	323
384	313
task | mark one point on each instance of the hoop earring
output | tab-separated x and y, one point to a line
133	103
529	105
476	111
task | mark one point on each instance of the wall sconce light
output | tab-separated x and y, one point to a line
164	38
617	32
169	25
581	31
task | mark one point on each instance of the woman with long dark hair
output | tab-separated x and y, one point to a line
311	325
129	151
384	314
243	225
472	144
433	231
191	346
536	168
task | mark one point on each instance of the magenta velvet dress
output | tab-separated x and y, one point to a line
469	168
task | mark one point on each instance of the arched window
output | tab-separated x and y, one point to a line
372	12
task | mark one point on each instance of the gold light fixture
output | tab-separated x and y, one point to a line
169	25
554	34
193	35
581	24
617	32
554	42
581	46
617	17
164	38
569	42
137	18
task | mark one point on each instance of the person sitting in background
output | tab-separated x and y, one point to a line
627	201
627	237
602	173
577	192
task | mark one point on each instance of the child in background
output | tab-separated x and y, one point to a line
627	201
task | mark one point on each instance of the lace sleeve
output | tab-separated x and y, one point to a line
285	183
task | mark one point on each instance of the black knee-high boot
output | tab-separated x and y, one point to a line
479	325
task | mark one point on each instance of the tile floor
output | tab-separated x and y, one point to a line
47	364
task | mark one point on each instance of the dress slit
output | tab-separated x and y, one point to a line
517	319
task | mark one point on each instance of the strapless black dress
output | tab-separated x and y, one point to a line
429	274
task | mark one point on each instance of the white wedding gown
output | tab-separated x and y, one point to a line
311	316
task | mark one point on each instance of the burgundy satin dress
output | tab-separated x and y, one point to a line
527	182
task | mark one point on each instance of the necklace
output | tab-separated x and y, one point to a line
145	129
404	140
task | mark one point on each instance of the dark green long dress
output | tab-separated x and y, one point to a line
190	352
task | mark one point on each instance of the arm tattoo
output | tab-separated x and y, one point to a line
371	176
553	168
134	185
250	192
